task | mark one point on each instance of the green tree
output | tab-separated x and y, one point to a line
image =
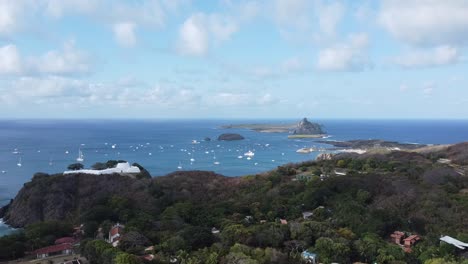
125	258
331	251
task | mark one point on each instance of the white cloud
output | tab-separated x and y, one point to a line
11	14
349	56
58	8
234	99
124	34
200	29
69	60
438	56
426	22
10	60
193	36
329	16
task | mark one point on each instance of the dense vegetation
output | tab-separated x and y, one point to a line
352	216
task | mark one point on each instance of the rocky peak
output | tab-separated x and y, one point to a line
307	128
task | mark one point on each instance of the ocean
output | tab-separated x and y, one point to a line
162	145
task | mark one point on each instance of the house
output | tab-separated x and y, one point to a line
408	241
309	257
61	249
397	236
306	215
283	221
214	230
115	234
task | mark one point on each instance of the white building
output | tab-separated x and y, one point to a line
123	167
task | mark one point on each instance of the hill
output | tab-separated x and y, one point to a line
344	209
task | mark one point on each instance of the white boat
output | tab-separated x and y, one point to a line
216	163
192	160
80	156
239	157
180	166
249	158
249	154
19	164
194	141
113	146
15	151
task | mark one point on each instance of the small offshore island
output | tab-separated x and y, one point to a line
304	129
401	206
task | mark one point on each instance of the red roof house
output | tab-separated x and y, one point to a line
410	241
61	249
115	233
397	236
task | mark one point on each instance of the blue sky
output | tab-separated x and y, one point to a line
233	59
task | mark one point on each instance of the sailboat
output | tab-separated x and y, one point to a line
19	162
80	156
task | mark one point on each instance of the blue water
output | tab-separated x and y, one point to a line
161	145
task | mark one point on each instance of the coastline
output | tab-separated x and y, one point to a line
308	136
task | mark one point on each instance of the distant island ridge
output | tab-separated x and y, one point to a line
303	129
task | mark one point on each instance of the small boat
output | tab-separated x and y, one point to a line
113	146
80	156
15	151
194	141
180	166
240	157
216	163
192	160
66	152
249	158
19	164
3	171
249	154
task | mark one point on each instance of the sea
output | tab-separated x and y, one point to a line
162	146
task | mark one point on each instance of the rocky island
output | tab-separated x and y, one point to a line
230	137
303	129
306	129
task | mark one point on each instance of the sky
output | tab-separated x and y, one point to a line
388	59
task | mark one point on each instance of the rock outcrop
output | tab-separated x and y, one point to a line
307	128
230	137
